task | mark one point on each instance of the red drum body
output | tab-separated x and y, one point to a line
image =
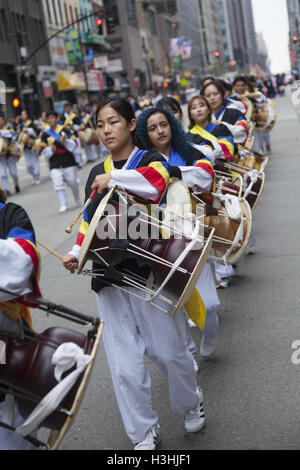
29	371
174	265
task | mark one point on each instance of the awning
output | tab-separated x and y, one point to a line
69	81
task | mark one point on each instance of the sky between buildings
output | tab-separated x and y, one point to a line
272	20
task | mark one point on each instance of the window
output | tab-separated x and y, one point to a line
55	14
48	12
66	13
169	28
152	22
131	13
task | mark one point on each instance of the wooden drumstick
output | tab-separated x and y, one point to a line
50	250
86	205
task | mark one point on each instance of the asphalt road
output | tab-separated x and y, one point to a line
251	387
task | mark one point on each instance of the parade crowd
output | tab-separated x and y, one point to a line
141	146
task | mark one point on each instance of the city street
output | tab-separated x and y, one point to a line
250	385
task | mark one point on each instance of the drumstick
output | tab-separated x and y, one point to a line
50	250
86	205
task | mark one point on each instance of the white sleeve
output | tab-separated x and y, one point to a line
134	182
70	145
207	151
31	132
238	132
47	152
75	251
15	271
7	134
196	176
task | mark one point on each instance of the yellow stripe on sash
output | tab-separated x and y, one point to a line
203	133
195	309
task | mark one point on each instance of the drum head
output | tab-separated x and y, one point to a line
92	229
196	273
262	178
247	214
56	437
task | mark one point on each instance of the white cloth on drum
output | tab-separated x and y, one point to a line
9	440
15	271
206	287
132	329
65	357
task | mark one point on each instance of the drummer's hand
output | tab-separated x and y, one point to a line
70	263
101	182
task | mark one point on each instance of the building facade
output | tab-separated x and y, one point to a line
22	29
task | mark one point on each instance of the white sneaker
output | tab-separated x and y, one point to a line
208	345
150	440
223	284
194	420
63	209
196	367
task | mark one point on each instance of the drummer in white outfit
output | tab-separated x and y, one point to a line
132	327
31	158
7	161
157	128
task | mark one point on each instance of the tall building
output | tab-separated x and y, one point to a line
22	29
243	35
262	53
225	33
293	7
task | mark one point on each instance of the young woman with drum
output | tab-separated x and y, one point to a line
204	129
160	130
234	120
132	326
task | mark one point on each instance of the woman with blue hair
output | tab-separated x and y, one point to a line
160	130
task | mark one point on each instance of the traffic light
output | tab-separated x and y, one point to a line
99	23
217	54
165	84
16	102
232	63
294	59
295	38
110	23
291	52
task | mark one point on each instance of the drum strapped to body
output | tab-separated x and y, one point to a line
253	182
25	140
31	372
14	149
231	217
91	136
171	250
266	118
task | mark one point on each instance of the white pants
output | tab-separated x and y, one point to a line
224	271
132	329
8	165
32	164
91	153
257	146
10	440
68	175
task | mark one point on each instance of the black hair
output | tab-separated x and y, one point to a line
240	78
218	86
226	85
179	139
51	113
124	108
170	103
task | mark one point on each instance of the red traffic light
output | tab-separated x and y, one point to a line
165	84
217	54
295	38
99	21
291	52
16	102
294	59
232	63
